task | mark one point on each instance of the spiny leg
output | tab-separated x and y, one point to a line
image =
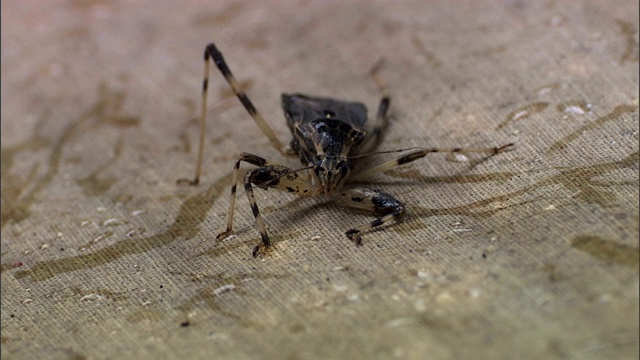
420	153
268	175
375	201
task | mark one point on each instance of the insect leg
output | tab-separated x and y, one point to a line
203	111
381	118
268	175
376	201
420	153
212	52
251	159
256	213
381	124
277	177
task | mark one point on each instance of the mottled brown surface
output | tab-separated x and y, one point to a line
529	254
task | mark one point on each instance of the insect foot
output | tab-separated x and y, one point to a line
354	235
224	235
256	250
372	200
504	148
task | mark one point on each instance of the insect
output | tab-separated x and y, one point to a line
329	136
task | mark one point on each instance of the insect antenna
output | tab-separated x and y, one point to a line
418	153
357	156
493	150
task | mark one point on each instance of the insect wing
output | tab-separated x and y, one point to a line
301	108
321	125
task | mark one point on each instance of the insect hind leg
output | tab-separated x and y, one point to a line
211	53
375	201
382	120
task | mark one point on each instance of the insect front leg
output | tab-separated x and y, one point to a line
253	160
375	201
420	153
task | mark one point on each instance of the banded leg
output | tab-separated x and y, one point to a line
381	124
420	153
268	175
381	118
211	52
375	201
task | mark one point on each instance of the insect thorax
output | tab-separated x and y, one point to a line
326	133
326	145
